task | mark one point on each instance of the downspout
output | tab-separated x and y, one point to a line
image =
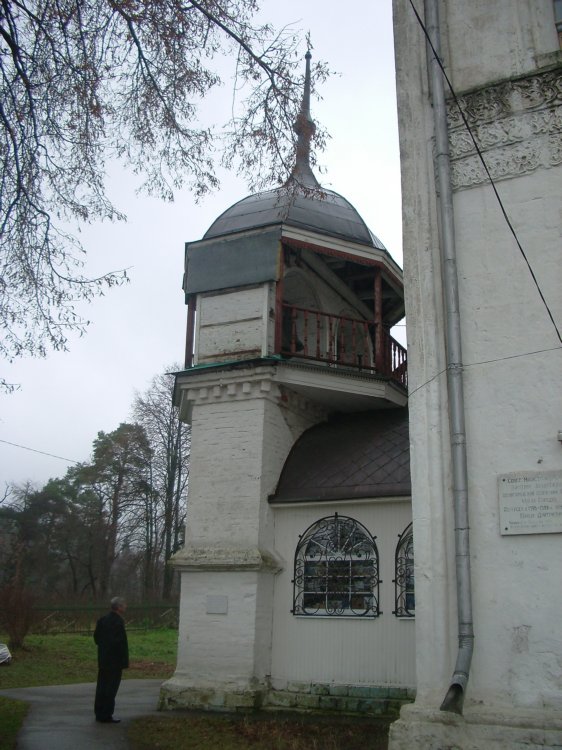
455	695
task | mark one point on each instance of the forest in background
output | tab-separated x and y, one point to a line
110	524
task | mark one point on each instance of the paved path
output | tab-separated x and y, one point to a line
61	717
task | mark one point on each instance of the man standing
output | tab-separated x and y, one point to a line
113	657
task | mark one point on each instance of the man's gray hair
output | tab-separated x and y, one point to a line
117	602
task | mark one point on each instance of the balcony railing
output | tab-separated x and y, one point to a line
342	341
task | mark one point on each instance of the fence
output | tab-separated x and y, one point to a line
342	341
82	618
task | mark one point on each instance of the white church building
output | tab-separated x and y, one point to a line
321	456
297	578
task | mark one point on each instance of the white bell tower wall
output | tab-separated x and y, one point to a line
243	427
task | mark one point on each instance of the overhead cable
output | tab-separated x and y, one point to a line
43	453
492	183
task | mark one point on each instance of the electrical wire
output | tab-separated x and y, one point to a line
484	362
43	453
410	393
481	157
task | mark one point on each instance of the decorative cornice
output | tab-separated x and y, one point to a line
227	386
223	558
232	389
517	125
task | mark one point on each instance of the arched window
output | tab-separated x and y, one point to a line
405	599
336	570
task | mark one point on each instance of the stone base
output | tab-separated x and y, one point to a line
176	694
478	729
338	699
305	697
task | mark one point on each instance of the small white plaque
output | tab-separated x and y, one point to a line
530	502
217	604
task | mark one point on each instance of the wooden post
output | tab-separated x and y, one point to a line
279	303
190	332
379	348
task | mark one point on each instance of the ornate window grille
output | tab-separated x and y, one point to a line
405	599
336	570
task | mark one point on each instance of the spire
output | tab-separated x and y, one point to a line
305	128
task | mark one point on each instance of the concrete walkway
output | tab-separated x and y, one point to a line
61	717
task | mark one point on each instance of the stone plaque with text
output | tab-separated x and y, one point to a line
530	502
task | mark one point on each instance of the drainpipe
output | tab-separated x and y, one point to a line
455	695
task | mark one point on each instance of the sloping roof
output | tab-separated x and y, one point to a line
351	456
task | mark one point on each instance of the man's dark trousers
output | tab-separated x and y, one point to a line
108	684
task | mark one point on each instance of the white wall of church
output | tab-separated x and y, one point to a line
513	417
242	432
512	42
512	358
342	650
232	324
217	648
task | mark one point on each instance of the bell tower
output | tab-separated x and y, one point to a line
290	303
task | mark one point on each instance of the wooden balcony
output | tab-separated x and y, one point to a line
341	341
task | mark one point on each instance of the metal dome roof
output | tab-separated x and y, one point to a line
314	209
301	202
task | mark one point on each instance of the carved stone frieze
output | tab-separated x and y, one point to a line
517	125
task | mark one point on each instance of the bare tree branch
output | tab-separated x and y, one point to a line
81	83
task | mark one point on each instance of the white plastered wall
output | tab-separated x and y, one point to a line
513	388
514	412
242	431
233	324
342	650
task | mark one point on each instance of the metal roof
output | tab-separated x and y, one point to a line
351	456
301	202
318	210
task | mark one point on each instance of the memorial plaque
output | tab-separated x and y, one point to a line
530	502
217	604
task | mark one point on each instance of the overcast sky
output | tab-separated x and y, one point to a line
139	329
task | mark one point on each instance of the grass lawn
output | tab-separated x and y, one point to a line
12	714
64	659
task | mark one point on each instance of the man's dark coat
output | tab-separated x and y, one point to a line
111	639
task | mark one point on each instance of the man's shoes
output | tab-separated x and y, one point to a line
111	720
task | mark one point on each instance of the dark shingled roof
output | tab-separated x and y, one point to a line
351	456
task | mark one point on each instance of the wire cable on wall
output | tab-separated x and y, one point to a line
483	362
481	157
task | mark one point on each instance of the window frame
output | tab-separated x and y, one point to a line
336	570
404	575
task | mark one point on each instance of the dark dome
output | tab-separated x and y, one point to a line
317	210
